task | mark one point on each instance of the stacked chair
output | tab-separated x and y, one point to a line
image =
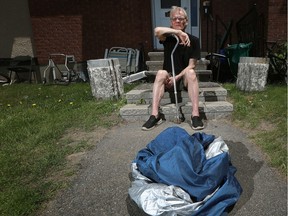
128	59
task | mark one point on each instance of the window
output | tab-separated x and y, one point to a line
194	13
169	3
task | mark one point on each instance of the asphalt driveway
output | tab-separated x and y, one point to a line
101	187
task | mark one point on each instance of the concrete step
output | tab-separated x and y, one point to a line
158	64
154	65
158	56
212	103
208	110
203	76
202	73
208	91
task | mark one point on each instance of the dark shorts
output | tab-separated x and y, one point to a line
179	86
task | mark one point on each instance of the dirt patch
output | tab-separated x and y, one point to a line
82	142
263	126
76	137
91	137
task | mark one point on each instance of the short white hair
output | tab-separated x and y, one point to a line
175	9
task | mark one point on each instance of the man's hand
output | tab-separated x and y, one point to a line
169	82
184	38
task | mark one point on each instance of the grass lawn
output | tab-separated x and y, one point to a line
264	116
34	118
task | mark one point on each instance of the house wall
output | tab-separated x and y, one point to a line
16	31
86	27
277	20
225	11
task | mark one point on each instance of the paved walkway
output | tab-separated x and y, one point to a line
101	188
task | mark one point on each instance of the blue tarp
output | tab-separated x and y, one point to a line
176	158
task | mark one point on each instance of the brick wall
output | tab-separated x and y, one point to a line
86	27
277	20
224	11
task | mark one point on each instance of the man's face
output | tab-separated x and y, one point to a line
178	20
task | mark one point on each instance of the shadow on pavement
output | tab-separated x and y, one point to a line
246	170
133	209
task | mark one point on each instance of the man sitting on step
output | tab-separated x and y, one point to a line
185	59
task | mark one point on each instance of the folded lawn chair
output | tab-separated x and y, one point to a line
123	54
23	64
133	60
60	74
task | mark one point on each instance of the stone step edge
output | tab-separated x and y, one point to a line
160	62
147	93
161	53
198	72
207	110
143	109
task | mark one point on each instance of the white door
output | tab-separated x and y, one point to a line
160	15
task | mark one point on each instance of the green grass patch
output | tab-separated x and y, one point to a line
33	119
264	114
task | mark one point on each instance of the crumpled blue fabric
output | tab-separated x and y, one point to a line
176	158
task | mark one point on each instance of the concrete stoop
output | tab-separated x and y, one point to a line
212	103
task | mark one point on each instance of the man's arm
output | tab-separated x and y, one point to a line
162	32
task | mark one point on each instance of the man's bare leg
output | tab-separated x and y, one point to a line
158	90
193	92
156	118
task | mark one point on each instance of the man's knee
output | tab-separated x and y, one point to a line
191	74
161	74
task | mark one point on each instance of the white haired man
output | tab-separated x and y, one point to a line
185	59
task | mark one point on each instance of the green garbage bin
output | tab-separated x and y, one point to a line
234	52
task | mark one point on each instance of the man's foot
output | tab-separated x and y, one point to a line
153	121
196	123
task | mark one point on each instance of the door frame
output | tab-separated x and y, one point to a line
194	30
